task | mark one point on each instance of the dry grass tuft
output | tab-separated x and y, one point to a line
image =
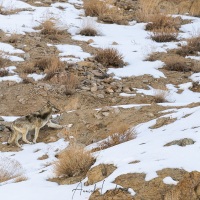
50	62
160	21
146	10
160	96
164	35
178	63
26	80
94	8
113	15
9	11
88	28
20	179
51	30
192	47
49	27
70	82
120	134
3	73
13	38
3	60
105	13
73	161
109	57
9	169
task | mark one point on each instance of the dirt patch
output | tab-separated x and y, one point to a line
99	173
117	194
154	189
163	121
187	188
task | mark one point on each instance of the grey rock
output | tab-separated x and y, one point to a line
100	96
1	119
181	142
2	127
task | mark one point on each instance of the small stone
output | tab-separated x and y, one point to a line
26	56
109	90
126	90
85	88
114	43
98	116
90	41
116	110
106	108
94	88
106	114
1	119
100	96
145	81
2	127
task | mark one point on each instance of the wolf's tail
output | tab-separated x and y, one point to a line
10	135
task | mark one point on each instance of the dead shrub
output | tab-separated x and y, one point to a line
3	60
88	31
88	28
113	15
20	179
146	10
9	11
159	21
192	47
13	38
73	161
28	68
26	80
105	13
51	30
49	62
70	82
3	73
94	8
160	96
178	63
164	35
109	57
9	169
120	134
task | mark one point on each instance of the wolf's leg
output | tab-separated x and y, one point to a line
18	136
11	137
53	125
36	134
24	134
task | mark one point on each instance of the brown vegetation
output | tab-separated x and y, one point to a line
73	161
159	21
164	35
3	60
160	96
49	63
178	63
3	73
192	47
104	12
119	134
9	169
109	57
94	8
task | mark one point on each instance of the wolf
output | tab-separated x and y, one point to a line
34	121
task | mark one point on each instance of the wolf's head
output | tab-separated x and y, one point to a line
52	107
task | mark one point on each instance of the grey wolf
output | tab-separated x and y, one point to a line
34	121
